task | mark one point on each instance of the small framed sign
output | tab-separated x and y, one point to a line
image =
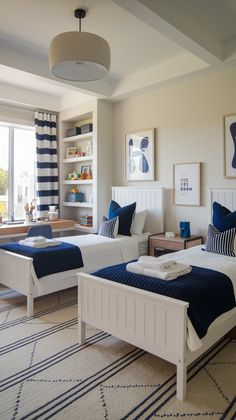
186	180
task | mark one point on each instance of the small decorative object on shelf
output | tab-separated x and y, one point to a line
70	152
74	176
89	149
74	131
86	128
86	221
74	196
86	172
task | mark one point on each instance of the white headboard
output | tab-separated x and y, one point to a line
225	196
147	197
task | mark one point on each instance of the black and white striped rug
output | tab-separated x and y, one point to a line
44	373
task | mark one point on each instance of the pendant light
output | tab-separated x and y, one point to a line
79	56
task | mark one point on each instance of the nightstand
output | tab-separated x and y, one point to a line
159	244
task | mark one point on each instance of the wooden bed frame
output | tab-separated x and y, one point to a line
15	269
153	322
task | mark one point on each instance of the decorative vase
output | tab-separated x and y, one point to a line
28	218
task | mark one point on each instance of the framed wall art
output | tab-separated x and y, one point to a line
186	184
229	126
140	155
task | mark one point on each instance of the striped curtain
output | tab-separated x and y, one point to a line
47	163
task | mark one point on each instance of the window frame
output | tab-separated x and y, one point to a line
11	161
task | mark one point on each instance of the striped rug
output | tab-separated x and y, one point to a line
45	374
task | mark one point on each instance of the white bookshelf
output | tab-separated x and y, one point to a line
95	148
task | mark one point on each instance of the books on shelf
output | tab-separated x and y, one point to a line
86	221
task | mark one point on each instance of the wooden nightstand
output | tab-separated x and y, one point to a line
159	244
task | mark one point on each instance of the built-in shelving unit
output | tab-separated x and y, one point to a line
79	154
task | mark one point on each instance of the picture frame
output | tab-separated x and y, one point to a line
140	155
85	169
186	184
71	152
229	136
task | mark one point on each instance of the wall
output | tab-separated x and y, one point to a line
188	121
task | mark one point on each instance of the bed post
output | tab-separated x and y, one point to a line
30	305
181	381
81	324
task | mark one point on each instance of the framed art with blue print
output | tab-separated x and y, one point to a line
230	146
140	155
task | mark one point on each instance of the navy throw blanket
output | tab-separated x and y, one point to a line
208	292
50	260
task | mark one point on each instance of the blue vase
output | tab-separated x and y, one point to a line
185	229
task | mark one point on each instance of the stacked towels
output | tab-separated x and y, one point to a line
160	268
38	242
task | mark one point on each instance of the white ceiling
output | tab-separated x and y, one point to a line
152	42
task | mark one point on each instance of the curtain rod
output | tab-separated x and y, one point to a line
26	107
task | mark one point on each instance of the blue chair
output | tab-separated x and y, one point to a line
43	230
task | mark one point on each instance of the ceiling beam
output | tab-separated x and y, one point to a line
21	59
170	19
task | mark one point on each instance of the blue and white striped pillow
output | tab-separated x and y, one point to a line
220	242
108	227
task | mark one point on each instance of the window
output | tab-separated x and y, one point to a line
17	170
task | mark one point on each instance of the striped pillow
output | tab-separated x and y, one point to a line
108	227
221	242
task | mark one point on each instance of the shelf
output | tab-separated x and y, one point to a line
79	137
76	182
85	228
77	204
78	159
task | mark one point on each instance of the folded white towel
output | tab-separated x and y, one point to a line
162	264
35	239
138	269
45	244
158	265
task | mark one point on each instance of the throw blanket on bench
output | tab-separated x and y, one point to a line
208	292
49	260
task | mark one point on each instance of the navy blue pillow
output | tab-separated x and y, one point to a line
125	215
223	219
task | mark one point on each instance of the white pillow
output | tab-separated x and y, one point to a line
138	222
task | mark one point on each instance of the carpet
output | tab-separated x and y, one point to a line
44	373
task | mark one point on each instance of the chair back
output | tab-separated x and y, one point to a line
43	230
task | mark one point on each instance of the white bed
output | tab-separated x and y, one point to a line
154	322
17	272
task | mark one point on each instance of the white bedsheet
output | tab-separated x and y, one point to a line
222	263
97	252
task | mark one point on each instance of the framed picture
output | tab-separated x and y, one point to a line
86	171
229	146
70	152
140	155
186	180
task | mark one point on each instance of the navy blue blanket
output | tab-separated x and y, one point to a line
208	292
50	260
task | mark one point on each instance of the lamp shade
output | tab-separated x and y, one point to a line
79	56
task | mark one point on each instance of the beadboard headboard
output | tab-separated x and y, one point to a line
148	197
225	196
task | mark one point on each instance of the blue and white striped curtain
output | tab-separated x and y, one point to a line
47	162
